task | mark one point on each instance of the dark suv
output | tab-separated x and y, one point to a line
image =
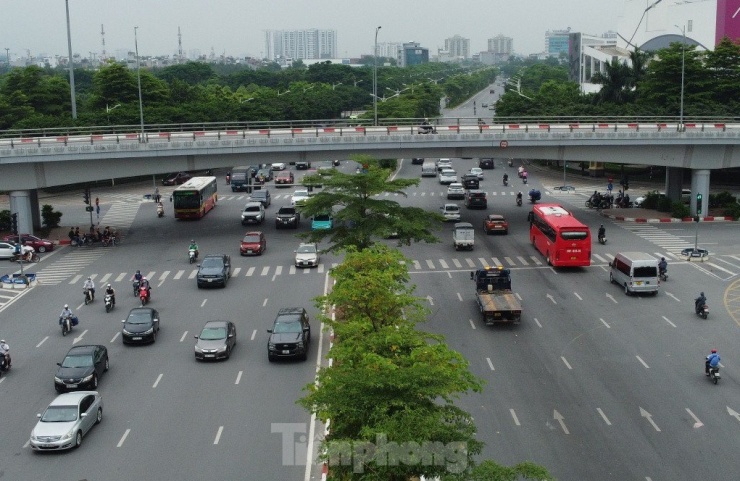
287	217
290	334
470	181
476	199
485	163
214	270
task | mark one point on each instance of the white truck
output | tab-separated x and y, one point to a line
463	236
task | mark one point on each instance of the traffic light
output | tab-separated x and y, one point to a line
698	204
86	196
14	223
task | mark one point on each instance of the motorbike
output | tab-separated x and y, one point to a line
108	302
702	310
192	255
160	211
511	163
714	374
506	182
27	257
88	295
67	323
5	363
109	241
524	179
143	295
228	179
336	162
519	201
602	239
663	274
136	287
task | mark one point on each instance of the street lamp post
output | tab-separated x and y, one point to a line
71	65
683	74
375	78
138	75
7	54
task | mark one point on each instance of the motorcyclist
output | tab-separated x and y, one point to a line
160	208
138	276
519	196
700	301
145	284
112	293
506	178
194	246
425	127
602	232
89	285
66	312
521	170
662	266
712	361
5	351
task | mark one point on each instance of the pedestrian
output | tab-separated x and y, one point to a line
609	187
156	195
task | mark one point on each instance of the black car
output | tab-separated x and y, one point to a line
141	325
177	178
287	217
262	195
216	340
302	165
470	181
290	334
81	368
265	173
417	161
214	270
485	163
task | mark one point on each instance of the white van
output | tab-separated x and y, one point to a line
428	169
635	271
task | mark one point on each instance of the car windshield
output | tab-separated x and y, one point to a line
322	218
252	208
251	238
300	193
287	211
78	361
60	414
212	262
452	208
306	249
139	318
213	333
258	195
282	327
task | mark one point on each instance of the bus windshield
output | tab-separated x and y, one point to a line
186	199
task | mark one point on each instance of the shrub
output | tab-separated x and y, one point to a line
4	220
651	200
665	204
723	199
50	217
732	211
679	210
388	163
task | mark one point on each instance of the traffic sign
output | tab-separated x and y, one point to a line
503	144
89	208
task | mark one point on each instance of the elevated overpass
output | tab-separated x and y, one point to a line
37	159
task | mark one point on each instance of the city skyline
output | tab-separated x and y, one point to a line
215	26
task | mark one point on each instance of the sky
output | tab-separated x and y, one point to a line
236	27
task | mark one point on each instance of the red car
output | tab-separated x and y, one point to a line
253	244
495	223
39	245
176	178
284	178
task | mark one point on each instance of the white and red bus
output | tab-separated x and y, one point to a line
560	237
195	198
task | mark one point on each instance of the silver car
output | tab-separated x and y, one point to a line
67	419
307	255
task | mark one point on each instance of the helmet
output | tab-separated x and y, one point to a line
701	294
662	258
88	278
714	351
602	225
192	241
2	341
66	306
108	285
138	271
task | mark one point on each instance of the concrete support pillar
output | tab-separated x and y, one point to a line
700	185
673	183
20	203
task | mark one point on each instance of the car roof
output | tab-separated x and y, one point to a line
307	244
259	193
253	204
253	232
69	398
86	349
217	324
456	184
496	217
136	309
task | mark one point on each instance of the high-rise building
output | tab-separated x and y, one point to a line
501	45
556	42
389	49
301	44
458	47
412	53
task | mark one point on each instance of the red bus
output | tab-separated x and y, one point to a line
560	237
195	198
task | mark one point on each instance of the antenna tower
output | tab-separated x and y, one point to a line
179	46
102	39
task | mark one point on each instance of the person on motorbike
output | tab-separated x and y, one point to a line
5	352
712	361
66	312
519	196
89	285
138	276
145	284
137	281
160	209
700	301
520	170
194	246
602	232
425	127
112	293
662	266
506	178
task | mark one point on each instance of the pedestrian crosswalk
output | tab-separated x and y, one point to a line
121	214
68	265
659	237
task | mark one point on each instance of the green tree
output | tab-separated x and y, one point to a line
360	215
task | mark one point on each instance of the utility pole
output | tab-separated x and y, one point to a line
71	65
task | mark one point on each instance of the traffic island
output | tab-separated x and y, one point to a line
18	281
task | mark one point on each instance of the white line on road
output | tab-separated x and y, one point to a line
254	334
203	303
123	438
566	362
179	274
674	297
649	417
537	322
490	364
549	296
183	336
120	277
42	341
192	274
603	416
518	296
264	303
668	321
604	322
459	297
513	415
612	298
471	323
79	338
265	270
115	337
579	297
250	271
104	279
560	419
27	442
278	271
238	377
159	378
218	434
643	362
697	422
236	272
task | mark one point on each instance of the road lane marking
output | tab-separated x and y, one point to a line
674	297
76	279
179	274
471	323
264	303
150	275
490	364
417	265
612	298
561	420
457	263
496	262
320	269
430	264
522	260
115	337
649	417
537	322
27	442
431	300
643	362
238	377
79	338
193	273
42	341
292	270
163	277
549	296
697	422
443	264
518	296
509	261
120	277
470	262
603	416
733	413
566	362
104	278
668	321
203	303
579	297
278	271
123	438
218	434
604	322
254	334
459	297
250	271
484	262
265	270
183	336
513	416
236	272
159	378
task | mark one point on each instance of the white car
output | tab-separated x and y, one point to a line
451	212
67	419
477	171
447	176
444	164
299	196
277	166
685	197
7	250
455	191
253	212
307	255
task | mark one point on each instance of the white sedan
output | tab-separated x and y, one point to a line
447	176
7	250
299	196
277	166
307	255
477	171
451	212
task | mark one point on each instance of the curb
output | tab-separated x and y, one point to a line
643	220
